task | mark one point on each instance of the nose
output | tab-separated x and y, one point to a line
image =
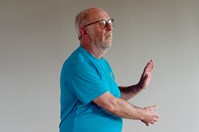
109	27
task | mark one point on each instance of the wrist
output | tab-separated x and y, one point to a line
141	113
139	86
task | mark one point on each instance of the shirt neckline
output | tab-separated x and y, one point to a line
89	54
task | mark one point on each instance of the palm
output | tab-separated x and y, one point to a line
146	75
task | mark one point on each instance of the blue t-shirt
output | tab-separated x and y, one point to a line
84	78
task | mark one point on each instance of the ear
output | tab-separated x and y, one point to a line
83	32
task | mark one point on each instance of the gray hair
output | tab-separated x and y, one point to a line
81	20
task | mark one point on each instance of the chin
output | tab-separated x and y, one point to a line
108	45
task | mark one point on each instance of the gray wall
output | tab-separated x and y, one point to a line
37	36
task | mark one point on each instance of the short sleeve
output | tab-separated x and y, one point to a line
85	82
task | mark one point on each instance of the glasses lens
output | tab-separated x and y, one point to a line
103	23
111	21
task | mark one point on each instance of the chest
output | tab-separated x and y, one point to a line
107	77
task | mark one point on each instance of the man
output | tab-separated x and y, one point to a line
91	101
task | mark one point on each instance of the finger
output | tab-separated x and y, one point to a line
147	124
152	62
152	122
154	107
146	75
149	66
156	119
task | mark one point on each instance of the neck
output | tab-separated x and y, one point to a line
95	51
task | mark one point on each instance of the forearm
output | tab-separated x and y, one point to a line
130	91
125	110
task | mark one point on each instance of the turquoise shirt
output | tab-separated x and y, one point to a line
84	78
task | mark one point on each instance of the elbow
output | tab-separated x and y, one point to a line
108	102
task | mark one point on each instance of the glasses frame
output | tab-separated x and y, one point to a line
109	21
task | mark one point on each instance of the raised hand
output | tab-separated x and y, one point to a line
146	75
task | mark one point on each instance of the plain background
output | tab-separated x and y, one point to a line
36	36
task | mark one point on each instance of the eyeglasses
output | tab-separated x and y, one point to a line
103	23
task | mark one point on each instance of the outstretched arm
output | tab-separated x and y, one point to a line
124	109
131	91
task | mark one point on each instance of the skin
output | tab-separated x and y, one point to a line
97	41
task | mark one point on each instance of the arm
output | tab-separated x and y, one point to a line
131	91
124	109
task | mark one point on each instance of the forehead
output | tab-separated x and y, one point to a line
98	14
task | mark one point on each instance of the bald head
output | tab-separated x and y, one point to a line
86	16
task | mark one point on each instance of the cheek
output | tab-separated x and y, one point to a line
103	35
99	36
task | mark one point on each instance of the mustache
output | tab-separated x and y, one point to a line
109	34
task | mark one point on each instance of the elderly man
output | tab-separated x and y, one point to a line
91	100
